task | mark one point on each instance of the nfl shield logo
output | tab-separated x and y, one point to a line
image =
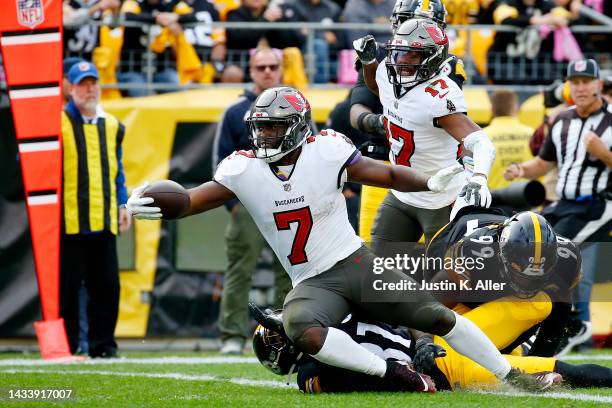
580	66
287	187
30	13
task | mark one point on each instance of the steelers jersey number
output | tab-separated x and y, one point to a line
405	138
303	218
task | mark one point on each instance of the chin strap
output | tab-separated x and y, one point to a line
293	367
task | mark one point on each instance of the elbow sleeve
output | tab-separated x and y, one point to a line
482	149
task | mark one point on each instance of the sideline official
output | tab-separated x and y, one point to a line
93	212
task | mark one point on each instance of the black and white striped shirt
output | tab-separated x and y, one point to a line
581	175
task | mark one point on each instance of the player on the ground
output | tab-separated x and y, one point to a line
291	184
534	269
366	110
426	123
449	370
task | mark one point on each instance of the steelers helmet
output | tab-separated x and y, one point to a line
416	53
275	351
528	250
409	9
279	122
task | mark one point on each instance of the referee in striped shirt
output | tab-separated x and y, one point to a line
580	144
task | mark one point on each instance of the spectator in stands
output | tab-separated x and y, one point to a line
80	36
510	137
232	74
580	143
93	212
368	11
326	43
243	239
133	67
261	11
524	56
225	6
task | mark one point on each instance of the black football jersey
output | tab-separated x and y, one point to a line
475	234
379	338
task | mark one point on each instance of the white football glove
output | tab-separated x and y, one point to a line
439	181
476	192
366	49
138	207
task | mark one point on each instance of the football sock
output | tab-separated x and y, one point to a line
467	339
584	375
340	350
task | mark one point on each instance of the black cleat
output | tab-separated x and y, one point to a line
403	375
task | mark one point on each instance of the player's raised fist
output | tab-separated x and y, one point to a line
366	49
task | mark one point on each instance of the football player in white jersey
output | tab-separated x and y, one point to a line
426	125
291	183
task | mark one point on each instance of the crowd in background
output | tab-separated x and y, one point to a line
173	42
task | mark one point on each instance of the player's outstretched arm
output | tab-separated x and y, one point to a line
400	178
208	196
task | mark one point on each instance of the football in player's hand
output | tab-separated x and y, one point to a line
170	196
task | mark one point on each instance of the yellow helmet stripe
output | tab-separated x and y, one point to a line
538	237
425	5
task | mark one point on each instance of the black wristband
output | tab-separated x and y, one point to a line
360	120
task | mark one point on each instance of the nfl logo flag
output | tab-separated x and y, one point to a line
30	13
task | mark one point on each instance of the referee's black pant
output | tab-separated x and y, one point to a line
91	258
586	221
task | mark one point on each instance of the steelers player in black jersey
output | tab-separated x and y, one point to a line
522	276
366	109
447	369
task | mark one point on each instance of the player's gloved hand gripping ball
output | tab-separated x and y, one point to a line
162	199
366	49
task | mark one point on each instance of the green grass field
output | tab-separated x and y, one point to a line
207	379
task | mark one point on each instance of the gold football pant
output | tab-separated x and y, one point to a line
371	198
502	321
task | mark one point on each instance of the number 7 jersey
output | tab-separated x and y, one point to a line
303	218
415	138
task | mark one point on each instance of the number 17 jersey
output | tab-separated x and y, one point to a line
414	136
303	218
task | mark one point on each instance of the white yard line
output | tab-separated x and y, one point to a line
552	395
172	376
154	360
590	357
278	384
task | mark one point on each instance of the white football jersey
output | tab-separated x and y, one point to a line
414	137
304	218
